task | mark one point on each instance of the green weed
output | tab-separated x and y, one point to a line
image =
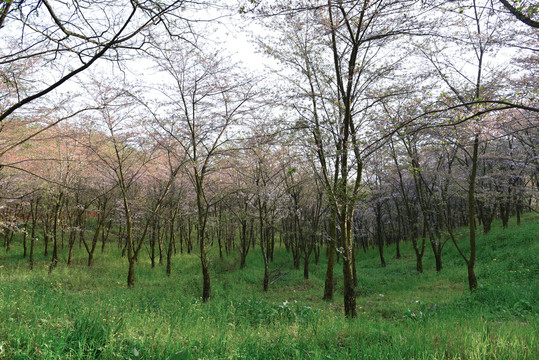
78	312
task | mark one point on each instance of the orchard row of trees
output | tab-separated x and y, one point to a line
381	122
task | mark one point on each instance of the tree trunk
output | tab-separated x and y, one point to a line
263	249
306	265
31	255
245	243
72	238
436	250
206	286
131	273
170	248
46	240
201	231
379	235
328	286
271	243
90	259
348	275
504	214
160	235
418	253
152	242
25	250
438	258
419	263
54	259
472	280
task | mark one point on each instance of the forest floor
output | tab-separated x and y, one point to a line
88	313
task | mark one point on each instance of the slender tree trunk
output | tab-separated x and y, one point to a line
25	250
399	232
25	236
419	263
271	242
328	286
170	248
202	217
71	243
472	280
7	240
46	239
379	235
160	235
307	256
90	259
263	234
266	263
504	213
244	243
152	243
54	259
348	275
131	272
31	256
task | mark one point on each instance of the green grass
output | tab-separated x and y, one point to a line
85	313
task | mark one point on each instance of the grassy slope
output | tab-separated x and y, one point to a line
84	313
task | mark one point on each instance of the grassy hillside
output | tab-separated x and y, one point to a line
84	313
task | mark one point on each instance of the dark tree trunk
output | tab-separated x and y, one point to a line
25	250
437	251
270	243
46	240
504	214
170	247
438	258
264	255
206	286
131	273
307	257
379	235
31	256
245	242
105	232
71	243
25	236
57	208
306	268
328	286
153	241
34	212
90	259
472	280
348	274
419	263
